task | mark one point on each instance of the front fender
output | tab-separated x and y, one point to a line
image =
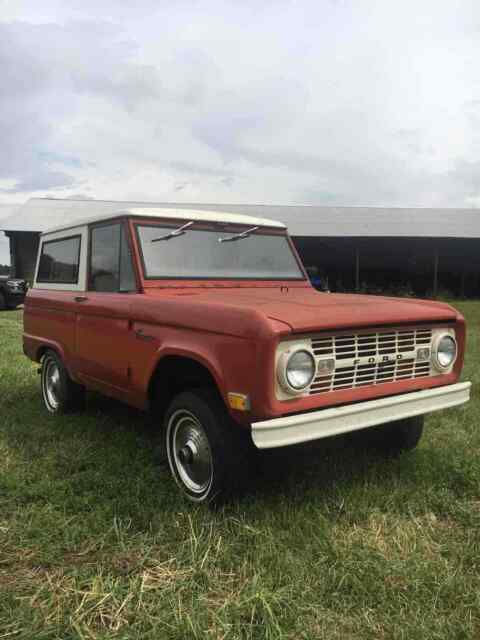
229	360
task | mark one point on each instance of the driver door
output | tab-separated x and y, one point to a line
103	321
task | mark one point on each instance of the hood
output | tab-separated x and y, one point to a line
304	309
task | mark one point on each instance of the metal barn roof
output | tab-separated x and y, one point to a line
176	213
7	210
40	214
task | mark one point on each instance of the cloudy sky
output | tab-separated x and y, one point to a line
353	102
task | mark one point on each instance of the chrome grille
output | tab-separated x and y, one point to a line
367	359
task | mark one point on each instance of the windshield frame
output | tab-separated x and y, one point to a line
223	228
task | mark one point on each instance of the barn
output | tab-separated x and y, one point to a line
370	249
6	211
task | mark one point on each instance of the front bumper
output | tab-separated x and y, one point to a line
303	427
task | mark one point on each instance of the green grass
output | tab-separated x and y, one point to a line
97	542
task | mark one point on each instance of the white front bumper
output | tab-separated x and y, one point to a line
303	427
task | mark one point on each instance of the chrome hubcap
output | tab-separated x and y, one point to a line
190	451
52	384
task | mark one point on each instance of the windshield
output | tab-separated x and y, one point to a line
200	254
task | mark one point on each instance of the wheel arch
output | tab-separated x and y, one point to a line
43	347
177	371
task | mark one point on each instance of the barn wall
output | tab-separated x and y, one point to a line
23	254
391	264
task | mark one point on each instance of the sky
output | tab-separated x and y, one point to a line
327	102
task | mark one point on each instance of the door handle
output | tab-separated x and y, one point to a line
80	298
143	336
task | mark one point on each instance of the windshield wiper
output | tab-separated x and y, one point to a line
238	236
175	233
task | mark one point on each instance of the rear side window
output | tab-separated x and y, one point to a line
59	261
110	260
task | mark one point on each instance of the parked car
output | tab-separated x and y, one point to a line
209	320
12	292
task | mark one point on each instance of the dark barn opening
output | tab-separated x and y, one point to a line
417	266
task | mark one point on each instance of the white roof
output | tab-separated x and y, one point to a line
39	214
174	213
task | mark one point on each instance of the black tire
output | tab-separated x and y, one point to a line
3	302
209	455
395	437
60	394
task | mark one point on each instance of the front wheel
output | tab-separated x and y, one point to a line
395	437
208	454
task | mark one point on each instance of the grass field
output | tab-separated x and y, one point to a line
96	542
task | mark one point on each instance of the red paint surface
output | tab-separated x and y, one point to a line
232	328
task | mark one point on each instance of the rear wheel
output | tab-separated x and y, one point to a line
395	437
3	302
208	454
60	394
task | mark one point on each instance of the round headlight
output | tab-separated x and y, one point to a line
300	369
446	352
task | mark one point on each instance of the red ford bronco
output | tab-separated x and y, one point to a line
209	319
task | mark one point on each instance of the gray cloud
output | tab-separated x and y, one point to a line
46	69
318	102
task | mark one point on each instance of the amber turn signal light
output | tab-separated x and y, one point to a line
239	401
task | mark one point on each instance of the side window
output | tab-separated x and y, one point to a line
59	261
110	260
